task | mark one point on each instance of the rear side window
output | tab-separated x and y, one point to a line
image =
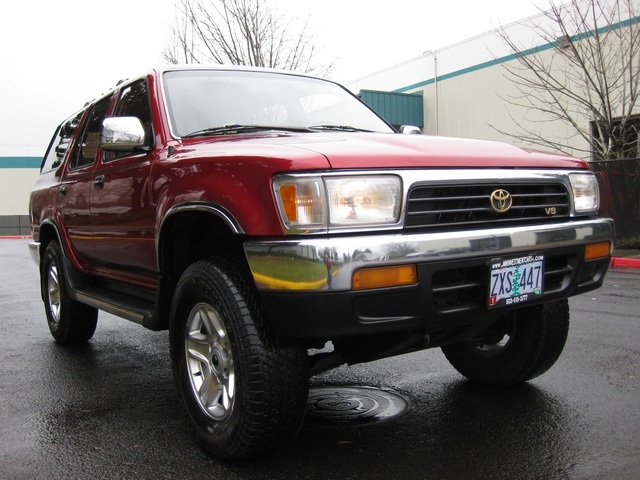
60	143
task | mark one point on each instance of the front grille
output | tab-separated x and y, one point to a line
469	205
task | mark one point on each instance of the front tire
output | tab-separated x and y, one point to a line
244	388
69	320
520	346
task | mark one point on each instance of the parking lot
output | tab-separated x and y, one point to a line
109	409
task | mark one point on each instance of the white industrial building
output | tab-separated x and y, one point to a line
464	89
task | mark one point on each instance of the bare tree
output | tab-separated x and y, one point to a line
240	32
589	79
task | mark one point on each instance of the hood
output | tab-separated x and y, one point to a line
370	150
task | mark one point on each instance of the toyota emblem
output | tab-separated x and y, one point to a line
501	201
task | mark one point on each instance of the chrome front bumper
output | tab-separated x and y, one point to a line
305	256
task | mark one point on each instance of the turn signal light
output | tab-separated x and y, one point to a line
384	277
597	250
288	195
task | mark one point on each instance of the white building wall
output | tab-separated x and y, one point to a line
474	105
461	84
466	88
17	178
15	188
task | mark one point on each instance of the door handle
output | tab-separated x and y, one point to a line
98	182
62	190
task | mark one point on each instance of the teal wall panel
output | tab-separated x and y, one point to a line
20	162
396	108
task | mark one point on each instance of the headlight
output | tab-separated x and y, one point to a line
315	203
586	197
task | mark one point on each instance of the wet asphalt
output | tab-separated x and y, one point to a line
109	409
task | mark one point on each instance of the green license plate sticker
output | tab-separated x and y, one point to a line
514	281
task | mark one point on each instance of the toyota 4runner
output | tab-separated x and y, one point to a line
278	228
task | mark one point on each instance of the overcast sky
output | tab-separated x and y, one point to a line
57	54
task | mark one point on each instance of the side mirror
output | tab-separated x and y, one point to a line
122	134
410	129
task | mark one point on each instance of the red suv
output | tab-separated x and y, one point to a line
278	227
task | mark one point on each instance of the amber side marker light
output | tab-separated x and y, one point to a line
288	195
384	277
597	250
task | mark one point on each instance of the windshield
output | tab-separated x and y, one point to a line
199	101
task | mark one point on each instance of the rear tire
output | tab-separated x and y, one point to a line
522	345
69	320
244	388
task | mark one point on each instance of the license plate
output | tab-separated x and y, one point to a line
515	280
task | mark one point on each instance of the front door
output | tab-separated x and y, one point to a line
121	213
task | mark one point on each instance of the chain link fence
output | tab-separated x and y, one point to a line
619	182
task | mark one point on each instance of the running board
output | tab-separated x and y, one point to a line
119	304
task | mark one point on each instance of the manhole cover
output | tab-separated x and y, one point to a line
354	405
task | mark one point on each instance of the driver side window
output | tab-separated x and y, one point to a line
90	142
133	102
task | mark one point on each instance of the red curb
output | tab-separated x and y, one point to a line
617	262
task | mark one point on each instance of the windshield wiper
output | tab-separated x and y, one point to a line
341	128
239	128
